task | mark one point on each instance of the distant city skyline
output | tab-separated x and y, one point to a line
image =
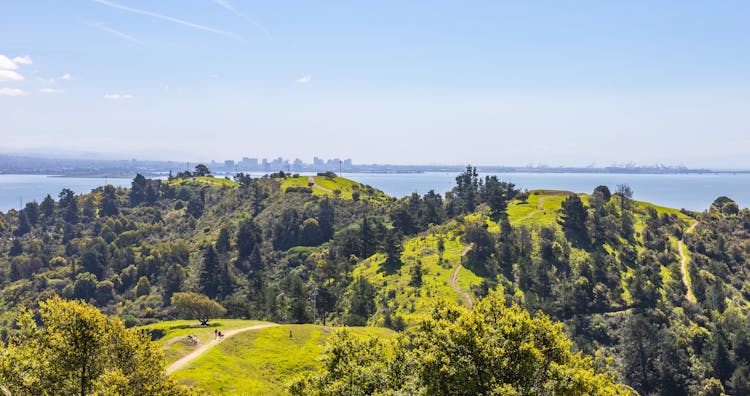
486	82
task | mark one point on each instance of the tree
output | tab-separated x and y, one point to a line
626	195
69	206
143	287
248	237
47	208
23	224
197	306
109	206
493	350
573	217
392	248
726	206
201	170
497	194
209	277
361	302
466	190
79	351
326	219
138	190
223	244
309	233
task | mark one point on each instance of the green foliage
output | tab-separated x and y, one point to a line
77	350
492	350
196	306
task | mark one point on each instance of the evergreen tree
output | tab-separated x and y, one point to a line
209	277
138	188
573	216
326	218
223	244
69	206
23	224
109	205
47	208
248	237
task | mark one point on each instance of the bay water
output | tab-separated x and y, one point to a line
689	191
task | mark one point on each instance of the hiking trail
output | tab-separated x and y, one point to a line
453	280
180	363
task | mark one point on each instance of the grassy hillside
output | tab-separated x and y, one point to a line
174	332
334	187
262	362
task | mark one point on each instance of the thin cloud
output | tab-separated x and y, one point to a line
229	7
118	96
10	75
116	33
49	90
23	60
178	21
304	79
65	77
11	92
12	64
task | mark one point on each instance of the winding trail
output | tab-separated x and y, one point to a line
683	262
453	280
204	347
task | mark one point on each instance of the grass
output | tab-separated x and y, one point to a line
410	302
176	330
262	362
337	186
541	208
203	181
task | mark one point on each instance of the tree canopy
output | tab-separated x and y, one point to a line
493	350
78	351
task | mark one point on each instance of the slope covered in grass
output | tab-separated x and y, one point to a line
262	362
172	334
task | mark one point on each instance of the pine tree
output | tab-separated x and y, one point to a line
208	279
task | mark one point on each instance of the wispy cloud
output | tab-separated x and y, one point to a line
12	64
10	75
304	79
65	77
178	21
23	60
229	7
11	92
50	90
116	33
118	96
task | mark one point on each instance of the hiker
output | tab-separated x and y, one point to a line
216	334
221	336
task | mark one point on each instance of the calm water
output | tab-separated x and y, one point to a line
694	192
26	188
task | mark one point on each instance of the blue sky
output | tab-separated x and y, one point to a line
496	82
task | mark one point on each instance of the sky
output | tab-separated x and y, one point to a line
573	83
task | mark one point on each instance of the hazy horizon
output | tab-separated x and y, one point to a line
486	83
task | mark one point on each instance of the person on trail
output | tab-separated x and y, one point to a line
216	334
221	336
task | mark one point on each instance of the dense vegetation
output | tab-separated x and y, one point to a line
292	249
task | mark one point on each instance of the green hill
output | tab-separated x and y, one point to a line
262	362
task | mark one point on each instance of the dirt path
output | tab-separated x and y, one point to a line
683	262
539	208
311	182
204	347
453	280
